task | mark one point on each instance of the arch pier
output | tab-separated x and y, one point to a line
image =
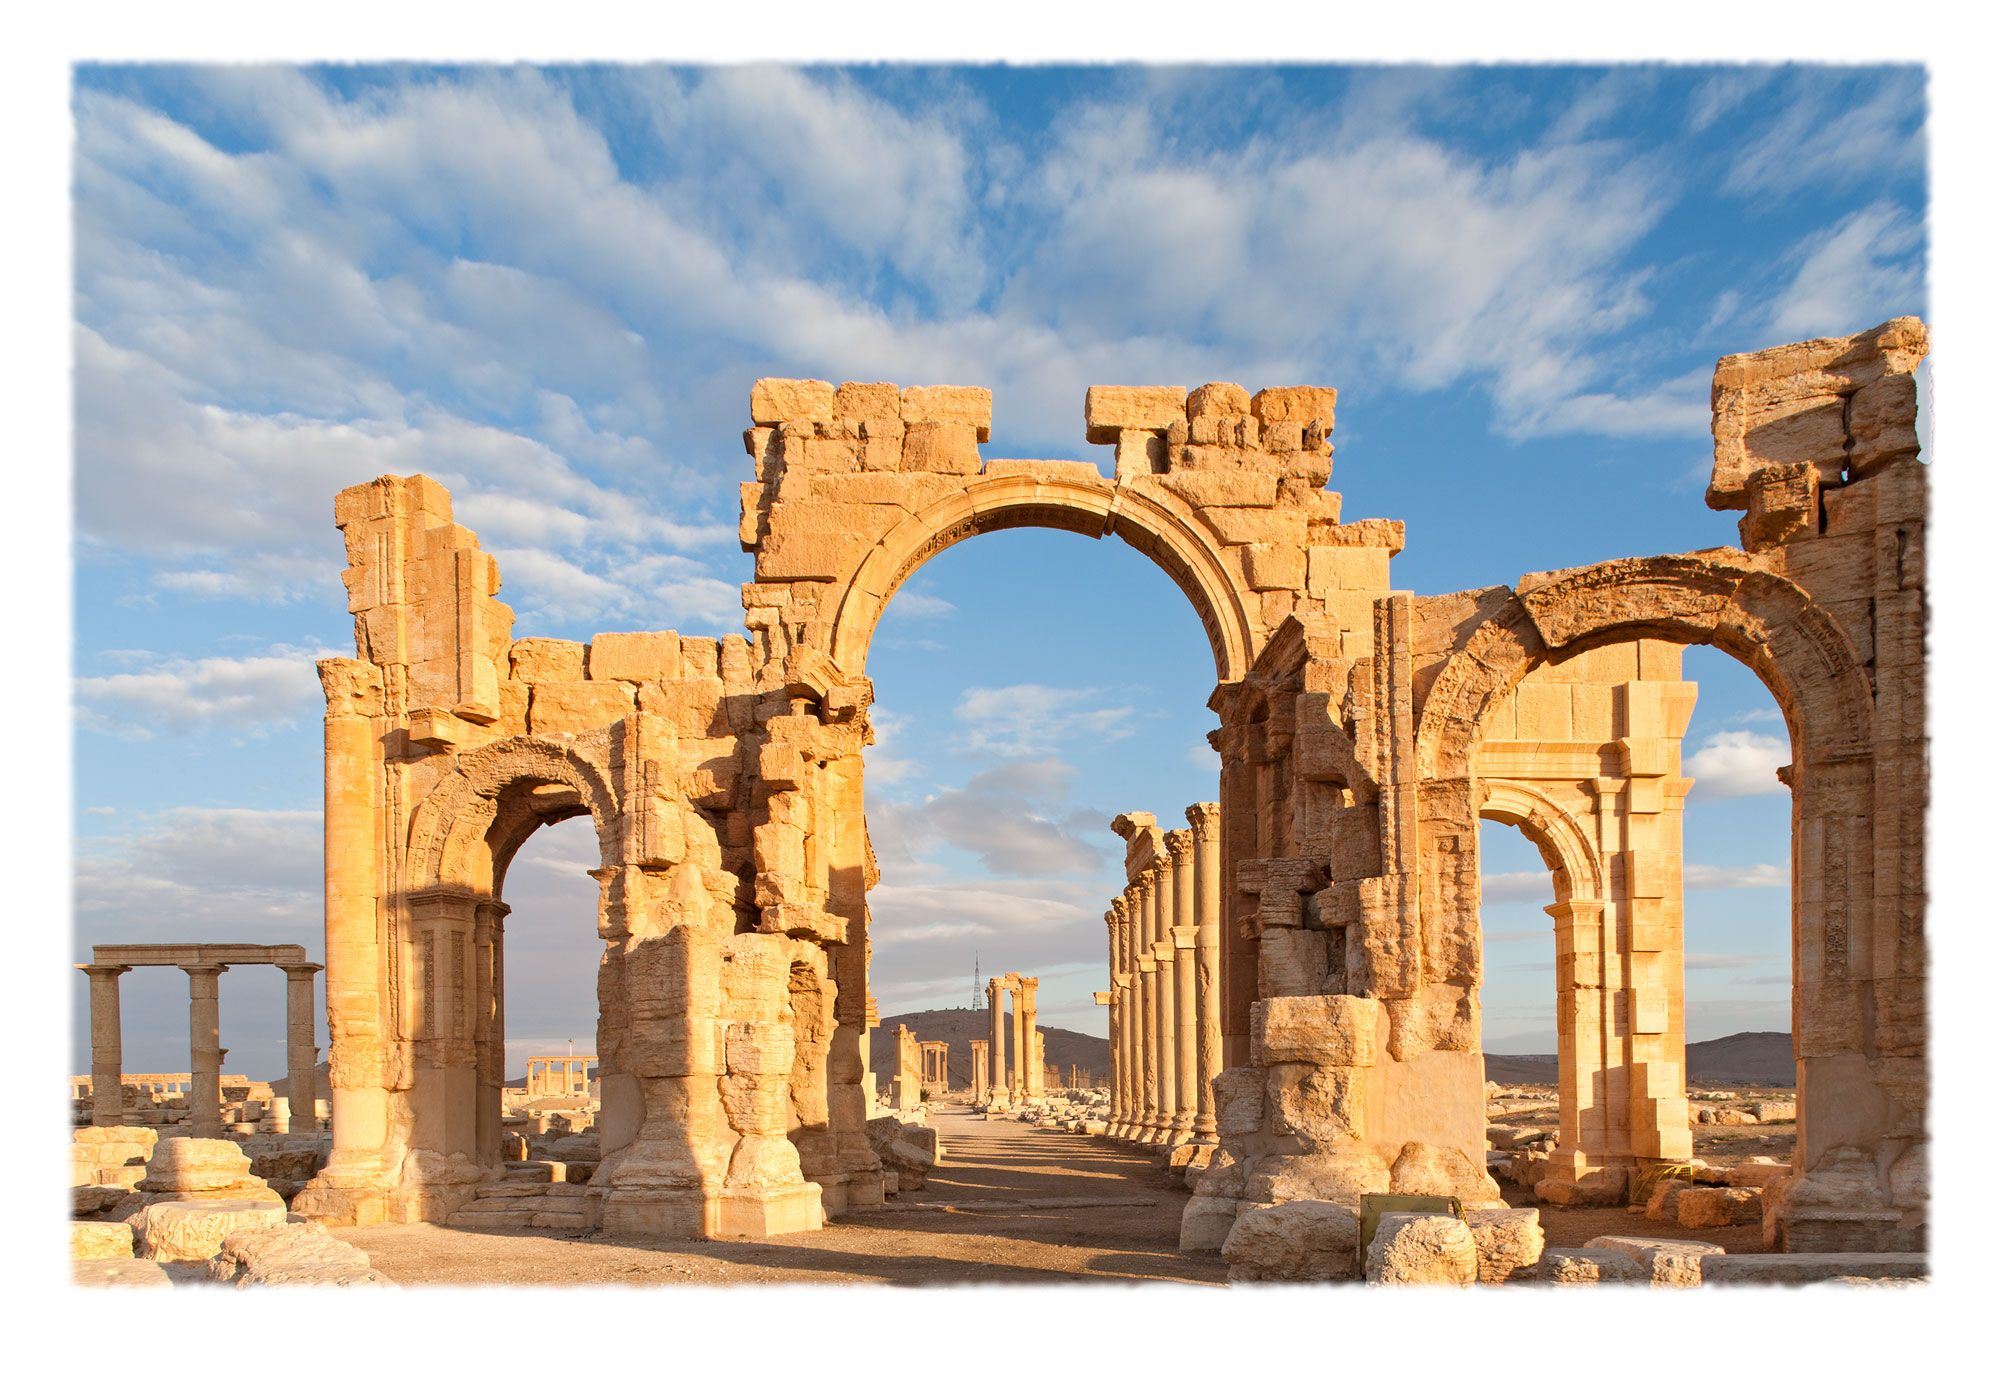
1363	733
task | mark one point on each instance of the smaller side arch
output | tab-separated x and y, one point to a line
474	819
1553	830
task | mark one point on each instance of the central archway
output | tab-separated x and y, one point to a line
1017	493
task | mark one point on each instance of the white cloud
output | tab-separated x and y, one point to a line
1867	268
203	874
1721	94
1509	887
1202	756
1761	876
1023	719
909	603
1734	764
1009	817
175	695
1831	133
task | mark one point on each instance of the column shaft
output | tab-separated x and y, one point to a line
996	1077
205	1051
301	1052
107	1052
1205	821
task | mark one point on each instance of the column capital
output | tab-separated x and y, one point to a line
1574	909
204	968
102	969
1180	845
299	970
1205	820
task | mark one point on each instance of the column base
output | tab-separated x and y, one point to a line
658	1212
765	1211
338	1206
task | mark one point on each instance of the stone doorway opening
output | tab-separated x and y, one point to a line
1034	688
1591	760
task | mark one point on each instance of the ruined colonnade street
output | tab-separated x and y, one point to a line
1295	1087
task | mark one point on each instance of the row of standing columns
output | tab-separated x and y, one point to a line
1009	1083
205	1050
1165	1004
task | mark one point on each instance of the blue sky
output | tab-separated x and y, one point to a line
551	289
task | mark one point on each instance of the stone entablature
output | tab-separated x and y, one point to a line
724	780
204	964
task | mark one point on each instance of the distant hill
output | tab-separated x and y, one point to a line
1091	1055
1744	1059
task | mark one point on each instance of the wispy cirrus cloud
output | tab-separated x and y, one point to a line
1024	719
160	694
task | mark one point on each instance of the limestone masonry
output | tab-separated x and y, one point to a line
1294	975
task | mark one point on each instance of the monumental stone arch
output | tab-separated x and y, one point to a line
1064	497
1363	732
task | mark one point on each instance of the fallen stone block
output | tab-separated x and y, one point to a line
1299	1241
1206	1223
100	1239
1709	1208
95	1200
203	1169
1589	1267
1422	1250
1509	1241
1758	1172
1666	1262
190	1231
1603	1187
1794	1270
118	1272
292	1255
1774	1111
1660	1206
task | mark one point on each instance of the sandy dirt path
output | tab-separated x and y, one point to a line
1010	1203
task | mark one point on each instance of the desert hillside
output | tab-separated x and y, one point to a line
1090	1054
1744	1059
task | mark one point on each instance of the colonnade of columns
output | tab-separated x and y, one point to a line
936	1072
1165	1001
204	965
567	1075
1010	1081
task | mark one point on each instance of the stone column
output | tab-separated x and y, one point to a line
1017	1071
301	1052
489	1027
996	1079
1112	1011
1163	957
1205	822
1149	995
107	1051
1180	846
979	1069
1125	1077
1032	1066
205	1050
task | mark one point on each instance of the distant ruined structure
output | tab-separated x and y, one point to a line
1363	733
